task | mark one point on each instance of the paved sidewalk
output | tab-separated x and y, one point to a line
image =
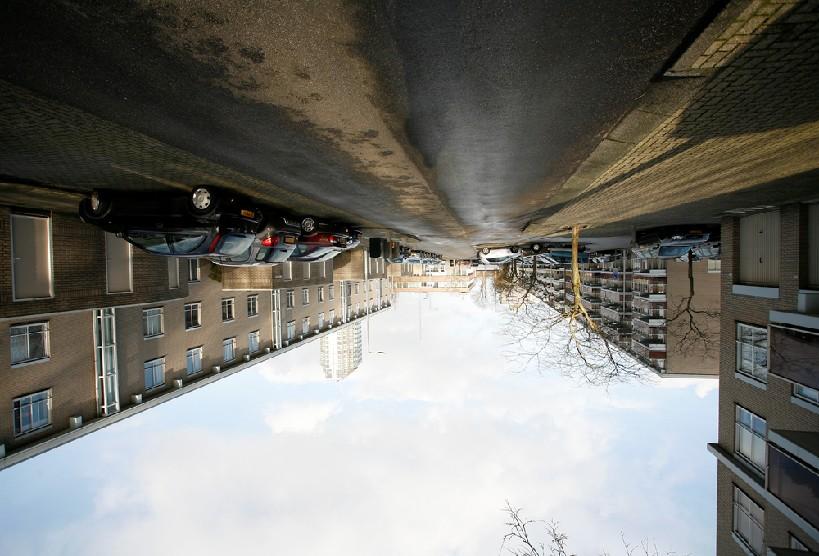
749	136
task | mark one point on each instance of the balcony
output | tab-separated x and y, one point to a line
647	325
590	290
591	305
794	353
793	458
652	342
654	358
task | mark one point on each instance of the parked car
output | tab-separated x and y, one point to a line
498	255
677	243
207	221
274	244
325	242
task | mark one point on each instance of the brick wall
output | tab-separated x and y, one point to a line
78	255
69	372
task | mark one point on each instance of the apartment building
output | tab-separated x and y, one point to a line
443	278
341	352
94	326
362	283
768	444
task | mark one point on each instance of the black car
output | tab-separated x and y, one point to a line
325	242
206	222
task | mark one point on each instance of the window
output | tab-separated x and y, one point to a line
796	544
291	299
806	393
321	294
306	267
750	438
331	292
153	322
287	270
752	351
357	308
29	342
305	325
193	270
321	321
252	305
228	309
332	316
193	315
356	287
229	349
749	520
305	296
349	287
173	273
31	256
323	269
291	329
118	272
253	342
714	265
193	359
32	412
154	373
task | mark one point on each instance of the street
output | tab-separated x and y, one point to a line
440	124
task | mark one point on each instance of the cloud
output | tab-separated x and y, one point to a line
299	418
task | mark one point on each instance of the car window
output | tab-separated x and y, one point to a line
233	245
155	243
186	243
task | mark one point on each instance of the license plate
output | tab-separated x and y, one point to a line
248	213
289	239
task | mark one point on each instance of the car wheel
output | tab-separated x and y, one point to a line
485	250
536	247
308	224
202	201
95	208
514	250
376	244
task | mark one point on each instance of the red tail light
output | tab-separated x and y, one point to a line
270	241
214	243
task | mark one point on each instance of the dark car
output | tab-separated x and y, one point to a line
675	242
205	222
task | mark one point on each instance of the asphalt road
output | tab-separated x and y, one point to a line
449	121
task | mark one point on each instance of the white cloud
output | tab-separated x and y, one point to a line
300	418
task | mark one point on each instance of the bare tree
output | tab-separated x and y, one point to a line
568	339
697	329
534	537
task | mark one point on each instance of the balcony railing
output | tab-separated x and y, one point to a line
647	325
652	357
794	483
794	353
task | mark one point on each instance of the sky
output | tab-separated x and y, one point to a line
415	453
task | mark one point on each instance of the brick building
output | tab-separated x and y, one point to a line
768	444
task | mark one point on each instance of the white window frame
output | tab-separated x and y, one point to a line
795	544
305	296
355	287
321	320
290	299
229	304
229	342
146	316
758	334
291	329
323	269
250	336
189	308
193	354
747	439
305	325
320	296
29	359
173	273
306	267
253	301
153	365
332	316
806	393
26	404
744	521
331	292
194	272
287	270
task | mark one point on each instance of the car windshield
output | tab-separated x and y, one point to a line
673	251
155	243
310	251
186	243
233	245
